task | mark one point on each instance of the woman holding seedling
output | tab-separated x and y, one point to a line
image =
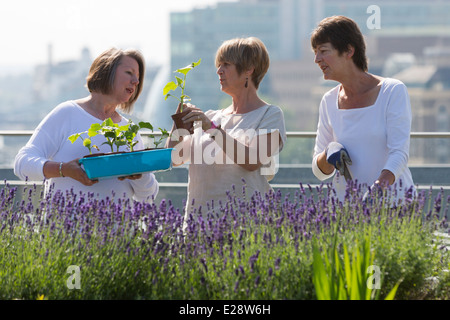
234	147
115	81
365	121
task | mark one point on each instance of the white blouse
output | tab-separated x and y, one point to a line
212	174
376	137
50	142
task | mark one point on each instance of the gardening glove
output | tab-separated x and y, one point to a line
338	156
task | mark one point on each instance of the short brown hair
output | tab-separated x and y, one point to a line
103	70
245	53
341	32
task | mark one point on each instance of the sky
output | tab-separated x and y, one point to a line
27	27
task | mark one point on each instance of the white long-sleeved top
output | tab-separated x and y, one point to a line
376	137
50	142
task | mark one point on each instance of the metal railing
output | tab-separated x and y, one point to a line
173	183
292	134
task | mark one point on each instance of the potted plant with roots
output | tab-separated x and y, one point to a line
180	82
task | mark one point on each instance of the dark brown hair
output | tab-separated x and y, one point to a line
103	70
245	53
341	32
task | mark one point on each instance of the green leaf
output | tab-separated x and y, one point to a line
74	137
169	86
125	127
171	95
164	132
184	70
194	64
130	135
188	68
110	134
96	126
146	125
108	122
180	82
391	294
92	132
320	277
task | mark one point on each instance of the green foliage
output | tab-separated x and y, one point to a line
342	278
115	135
180	83
164	135
262	249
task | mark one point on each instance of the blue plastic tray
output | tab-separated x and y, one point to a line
126	163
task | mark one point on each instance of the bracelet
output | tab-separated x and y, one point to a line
215	131
214	126
60	170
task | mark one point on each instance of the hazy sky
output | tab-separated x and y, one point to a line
28	26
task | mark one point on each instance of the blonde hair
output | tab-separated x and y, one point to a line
245	53
103	70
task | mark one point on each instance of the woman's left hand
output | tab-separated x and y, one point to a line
195	115
385	179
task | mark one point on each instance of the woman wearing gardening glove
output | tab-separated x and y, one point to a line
114	82
235	146
365	121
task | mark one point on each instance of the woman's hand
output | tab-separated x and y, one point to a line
131	177
72	169
195	115
385	179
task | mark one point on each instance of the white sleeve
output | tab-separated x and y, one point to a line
323	137
398	124
30	160
273	121
146	188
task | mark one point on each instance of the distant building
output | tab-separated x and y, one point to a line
55	82
428	85
285	27
407	38
198	34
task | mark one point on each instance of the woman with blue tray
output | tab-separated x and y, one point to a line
115	82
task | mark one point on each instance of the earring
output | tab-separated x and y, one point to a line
246	82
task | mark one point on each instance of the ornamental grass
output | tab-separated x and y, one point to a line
307	245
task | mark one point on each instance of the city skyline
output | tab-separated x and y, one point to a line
414	50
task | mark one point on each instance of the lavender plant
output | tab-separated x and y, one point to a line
260	247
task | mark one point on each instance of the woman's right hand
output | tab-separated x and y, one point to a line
195	115
73	169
